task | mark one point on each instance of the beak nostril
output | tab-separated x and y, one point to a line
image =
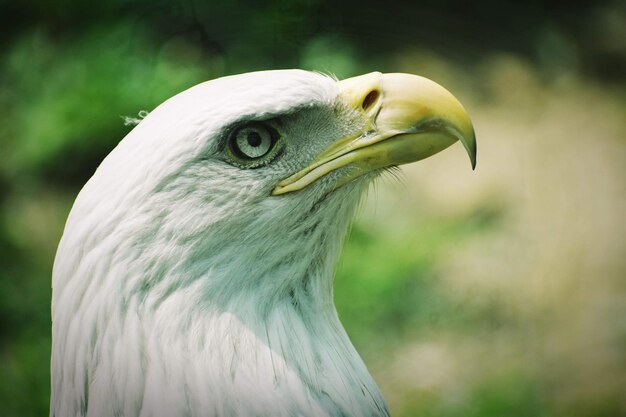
370	99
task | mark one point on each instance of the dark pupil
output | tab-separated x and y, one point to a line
254	139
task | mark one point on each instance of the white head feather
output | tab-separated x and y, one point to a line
181	287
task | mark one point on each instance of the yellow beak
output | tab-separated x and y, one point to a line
408	118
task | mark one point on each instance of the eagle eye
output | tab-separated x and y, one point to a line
252	142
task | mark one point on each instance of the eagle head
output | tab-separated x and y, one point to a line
194	276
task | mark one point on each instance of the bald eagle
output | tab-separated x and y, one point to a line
194	275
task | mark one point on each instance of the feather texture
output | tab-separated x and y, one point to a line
181	288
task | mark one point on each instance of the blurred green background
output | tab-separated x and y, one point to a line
499	292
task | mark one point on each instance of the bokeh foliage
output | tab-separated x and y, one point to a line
70	70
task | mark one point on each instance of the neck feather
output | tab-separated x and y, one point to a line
235	326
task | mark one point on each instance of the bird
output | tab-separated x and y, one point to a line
194	276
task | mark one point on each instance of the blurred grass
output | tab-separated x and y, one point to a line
493	293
